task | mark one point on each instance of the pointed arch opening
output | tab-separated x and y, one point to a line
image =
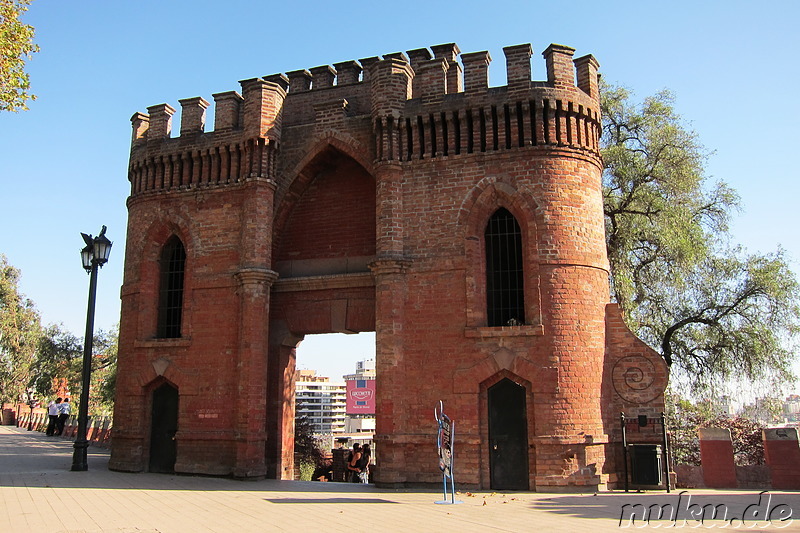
501	253
505	293
326	223
170	299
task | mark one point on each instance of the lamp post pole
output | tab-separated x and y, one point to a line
94	256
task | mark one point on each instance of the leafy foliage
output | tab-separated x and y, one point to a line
20	330
60	358
16	45
684	419
306	445
307	470
714	312
33	359
104	371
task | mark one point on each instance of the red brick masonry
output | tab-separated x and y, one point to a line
355	198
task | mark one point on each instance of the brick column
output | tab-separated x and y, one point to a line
228	106
390	85
782	454
255	281
250	434
450	53
716	456
280	402
390	296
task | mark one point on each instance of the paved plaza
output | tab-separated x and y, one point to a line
38	493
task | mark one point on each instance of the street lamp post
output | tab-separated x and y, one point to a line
94	255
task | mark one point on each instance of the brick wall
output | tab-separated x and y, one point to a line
782	454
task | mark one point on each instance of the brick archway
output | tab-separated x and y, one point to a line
327	240
354	198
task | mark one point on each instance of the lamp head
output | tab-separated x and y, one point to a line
101	248
86	257
96	251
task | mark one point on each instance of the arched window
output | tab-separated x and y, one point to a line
505	303
170	301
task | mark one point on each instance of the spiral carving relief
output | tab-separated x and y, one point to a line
634	378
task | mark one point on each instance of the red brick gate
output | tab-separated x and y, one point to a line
462	223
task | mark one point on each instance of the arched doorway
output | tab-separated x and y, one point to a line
325	240
508	436
163	427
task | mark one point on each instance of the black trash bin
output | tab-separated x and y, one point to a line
646	466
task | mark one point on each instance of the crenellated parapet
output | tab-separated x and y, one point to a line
423	104
453	111
243	144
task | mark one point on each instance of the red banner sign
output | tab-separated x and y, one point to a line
360	396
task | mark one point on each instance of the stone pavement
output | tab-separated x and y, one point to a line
38	492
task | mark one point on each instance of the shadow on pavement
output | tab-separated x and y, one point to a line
36	460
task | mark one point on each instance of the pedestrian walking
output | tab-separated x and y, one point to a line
53	410
63	415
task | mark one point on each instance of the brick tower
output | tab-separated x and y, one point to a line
462	223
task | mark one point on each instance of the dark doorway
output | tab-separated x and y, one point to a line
164	420
508	436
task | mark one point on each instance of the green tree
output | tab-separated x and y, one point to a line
60	356
768	410
685	418
306	445
307	448
34	358
16	45
20	330
714	312
104	372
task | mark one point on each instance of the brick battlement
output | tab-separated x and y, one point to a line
423	104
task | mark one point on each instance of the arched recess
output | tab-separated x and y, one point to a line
325	222
483	201
506	407
324	239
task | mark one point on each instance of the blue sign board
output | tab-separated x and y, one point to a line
444	442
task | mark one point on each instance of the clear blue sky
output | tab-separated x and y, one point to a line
63	164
